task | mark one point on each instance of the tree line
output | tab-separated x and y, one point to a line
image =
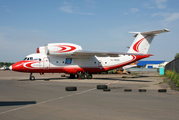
177	55
7	64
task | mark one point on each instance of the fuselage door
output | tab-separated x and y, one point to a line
46	63
100	63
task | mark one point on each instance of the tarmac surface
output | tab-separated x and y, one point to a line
46	99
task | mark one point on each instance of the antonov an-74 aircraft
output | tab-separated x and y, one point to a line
70	58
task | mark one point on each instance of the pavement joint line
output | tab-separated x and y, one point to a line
52	99
111	82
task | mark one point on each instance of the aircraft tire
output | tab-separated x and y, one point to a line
89	76
162	90
82	76
128	90
71	88
102	87
63	76
142	90
32	78
106	89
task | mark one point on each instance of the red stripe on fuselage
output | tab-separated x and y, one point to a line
19	66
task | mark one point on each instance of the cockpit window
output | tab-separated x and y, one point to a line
25	58
31	58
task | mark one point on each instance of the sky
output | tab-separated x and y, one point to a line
102	25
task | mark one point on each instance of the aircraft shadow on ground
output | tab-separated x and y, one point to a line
119	79
144	76
135	80
116	78
44	79
106	79
14	103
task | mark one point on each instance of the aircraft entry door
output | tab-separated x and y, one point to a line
46	63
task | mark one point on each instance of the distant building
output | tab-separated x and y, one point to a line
150	64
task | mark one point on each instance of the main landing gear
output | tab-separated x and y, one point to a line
81	76
31	77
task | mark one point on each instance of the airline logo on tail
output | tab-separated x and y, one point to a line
137	44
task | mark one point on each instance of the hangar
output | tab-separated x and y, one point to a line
149	64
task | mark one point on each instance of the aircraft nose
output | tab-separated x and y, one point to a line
10	68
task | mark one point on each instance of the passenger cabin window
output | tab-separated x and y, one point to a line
36	58
31	58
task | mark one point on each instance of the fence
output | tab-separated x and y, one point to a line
173	65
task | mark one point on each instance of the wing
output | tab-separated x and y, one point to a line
102	54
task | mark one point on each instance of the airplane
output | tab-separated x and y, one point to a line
3	68
130	65
71	59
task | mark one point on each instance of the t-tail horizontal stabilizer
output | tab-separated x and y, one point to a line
143	40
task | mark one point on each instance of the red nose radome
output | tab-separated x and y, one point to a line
18	66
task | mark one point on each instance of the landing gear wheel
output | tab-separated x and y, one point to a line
82	76
89	76
32	78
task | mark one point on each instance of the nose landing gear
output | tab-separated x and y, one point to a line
32	78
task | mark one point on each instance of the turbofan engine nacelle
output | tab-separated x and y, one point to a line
61	48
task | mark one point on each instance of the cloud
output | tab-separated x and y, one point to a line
168	17
152	4
161	4
5	7
147	5
87	13
131	10
172	17
134	10
68	8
